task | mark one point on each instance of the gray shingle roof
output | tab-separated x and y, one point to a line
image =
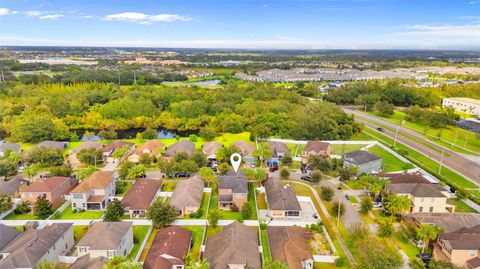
8	234
51	144
188	193
278	147
111	234
450	222
463	239
27	250
182	145
11	186
85	262
237	182
5	146
280	197
361	156
417	189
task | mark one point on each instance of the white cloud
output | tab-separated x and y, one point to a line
446	30
144	18
473	2
33	13
282	37
6	11
51	17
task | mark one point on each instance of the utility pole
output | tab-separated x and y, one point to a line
441	163
396	136
338	213
134	78
466	138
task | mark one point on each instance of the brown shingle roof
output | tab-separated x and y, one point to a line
153	147
85	262
116	145
8	234
168	248
142	194
289	245
404	178
211	148
244	146
474	263
88	145
188	193
32	245
278	147
49	184
316	146
110	233
416	189
463	239
182	145
280	197
236	244
450	222
97	180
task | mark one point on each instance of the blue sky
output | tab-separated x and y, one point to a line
281	24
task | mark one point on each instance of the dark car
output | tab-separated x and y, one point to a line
426	258
182	175
273	169
380	129
307	178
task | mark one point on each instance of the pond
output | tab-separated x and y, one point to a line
92	135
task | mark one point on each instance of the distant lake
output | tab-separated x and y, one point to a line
129	134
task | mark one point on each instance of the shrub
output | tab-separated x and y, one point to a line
316	175
246	211
326	193
284	173
234	208
263	226
461	194
22	208
338	208
366	205
385	228
340	262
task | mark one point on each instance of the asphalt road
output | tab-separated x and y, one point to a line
456	162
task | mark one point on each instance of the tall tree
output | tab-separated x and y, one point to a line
5	202
114	211
7	168
427	233
396	204
43	207
161	214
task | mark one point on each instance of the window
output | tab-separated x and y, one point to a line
77	196
420	209
431	209
292	214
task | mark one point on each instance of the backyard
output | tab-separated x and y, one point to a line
79	232
390	162
203	207
139	234
197	236
230	215
68	214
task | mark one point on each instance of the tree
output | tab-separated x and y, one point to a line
44	264
149	134
385	228
166	166
317	162
123	169
213	217
337	208
31	171
33	127
284	173
12	156
316	175
22	208
383	108
286	161
186	166
396	204
347	173
119	262
63	170
207	174
114	211
43	207
442	264
7	168
246	210
90	156
135	172
373	183
416	263
120	152
84	173
366	204
261	174
43	155
223	168
109	134
326	193
426	233
5	202
161	214
193	264
180	156
199	158
275	264
208	133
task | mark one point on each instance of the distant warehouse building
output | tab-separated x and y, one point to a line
466	105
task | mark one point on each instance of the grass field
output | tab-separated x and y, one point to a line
426	163
139	233
460	206
148	245
340	149
28	216
402	241
265	247
79	232
390	162
197	236
68	214
128	186
447	134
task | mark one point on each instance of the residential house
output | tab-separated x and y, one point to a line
86	262
56	145
450	222
246	150
11	187
187	196
53	188
364	161
278	150
232	190
8	234
210	150
8	146
152	148
107	239
140	196
461	247
35	245
236	247
397	178
282	200
94	192
181	146
109	149
290	246
430	198
316	148
169	247
72	157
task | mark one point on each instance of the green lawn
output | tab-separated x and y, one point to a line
28	216
461	206
229	215
128	186
197	236
340	149
139	234
168	186
68	214
265	246
402	241
353	200
79	232
212	231
353	183
428	164
390	162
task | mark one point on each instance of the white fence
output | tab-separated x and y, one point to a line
325	258
145	241
67	259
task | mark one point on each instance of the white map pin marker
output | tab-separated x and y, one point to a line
236	163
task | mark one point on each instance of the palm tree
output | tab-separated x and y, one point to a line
427	233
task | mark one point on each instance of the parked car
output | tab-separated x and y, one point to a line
306	178
380	129
273	169
426	258
182	175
